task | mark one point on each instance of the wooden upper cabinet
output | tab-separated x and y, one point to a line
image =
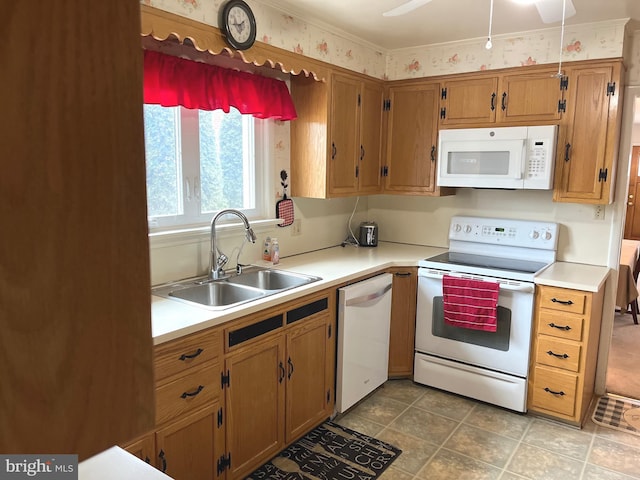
588	141
336	139
344	148
515	98
469	100
530	97
412	139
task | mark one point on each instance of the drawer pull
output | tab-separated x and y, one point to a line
164	460
560	327
192	394
402	274
558	355
184	356
560	393
290	368
562	302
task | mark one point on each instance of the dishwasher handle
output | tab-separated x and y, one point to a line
368	298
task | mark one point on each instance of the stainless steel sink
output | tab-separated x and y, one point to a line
217	294
234	290
272	279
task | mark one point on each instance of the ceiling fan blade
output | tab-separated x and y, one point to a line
551	10
405	8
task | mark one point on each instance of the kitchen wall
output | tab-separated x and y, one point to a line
422	220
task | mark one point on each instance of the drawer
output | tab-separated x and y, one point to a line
555	391
196	389
192	351
563	299
555	324
556	353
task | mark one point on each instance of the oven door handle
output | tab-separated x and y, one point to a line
515	286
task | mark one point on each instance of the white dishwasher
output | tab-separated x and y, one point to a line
364	318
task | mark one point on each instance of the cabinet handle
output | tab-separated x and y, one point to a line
562	302
433	153
185	356
558	355
163	460
560	327
504	101
192	394
567	150
147	459
361	152
493	102
290	368
560	393
334	151
402	274
281	372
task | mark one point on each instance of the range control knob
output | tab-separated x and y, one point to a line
534	234
547	235
457	227
467	229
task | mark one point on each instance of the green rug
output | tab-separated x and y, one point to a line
328	452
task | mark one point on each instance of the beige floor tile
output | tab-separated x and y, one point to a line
537	463
615	456
379	409
415	451
593	472
556	438
482	445
404	391
359	424
395	474
445	404
498	420
448	465
426	425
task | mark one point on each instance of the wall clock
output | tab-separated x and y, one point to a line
238	24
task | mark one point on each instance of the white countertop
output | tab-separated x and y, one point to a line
172	319
117	464
577	276
337	265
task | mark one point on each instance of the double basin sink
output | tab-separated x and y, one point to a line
228	292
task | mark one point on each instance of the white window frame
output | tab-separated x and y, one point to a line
260	179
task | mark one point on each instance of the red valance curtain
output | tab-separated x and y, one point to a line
171	81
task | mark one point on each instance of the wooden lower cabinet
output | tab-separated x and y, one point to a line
403	321
280	384
564	354
255	405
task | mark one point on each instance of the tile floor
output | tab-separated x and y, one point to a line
444	436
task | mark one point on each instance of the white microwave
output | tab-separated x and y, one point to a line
504	157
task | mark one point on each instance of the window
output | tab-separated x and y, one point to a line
200	162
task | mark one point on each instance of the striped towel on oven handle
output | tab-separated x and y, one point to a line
470	303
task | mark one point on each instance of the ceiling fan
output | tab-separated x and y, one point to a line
550	10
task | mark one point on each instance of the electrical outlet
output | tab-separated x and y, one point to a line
598	212
296	227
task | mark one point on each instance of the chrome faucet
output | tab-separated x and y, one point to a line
217	259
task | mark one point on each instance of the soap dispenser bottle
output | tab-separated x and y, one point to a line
275	251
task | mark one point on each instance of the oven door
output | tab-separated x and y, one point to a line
506	350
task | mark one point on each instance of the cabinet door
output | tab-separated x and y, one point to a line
370	158
467	101
587	146
529	97
403	321
255	405
144	447
344	149
411	141
188	449
306	397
